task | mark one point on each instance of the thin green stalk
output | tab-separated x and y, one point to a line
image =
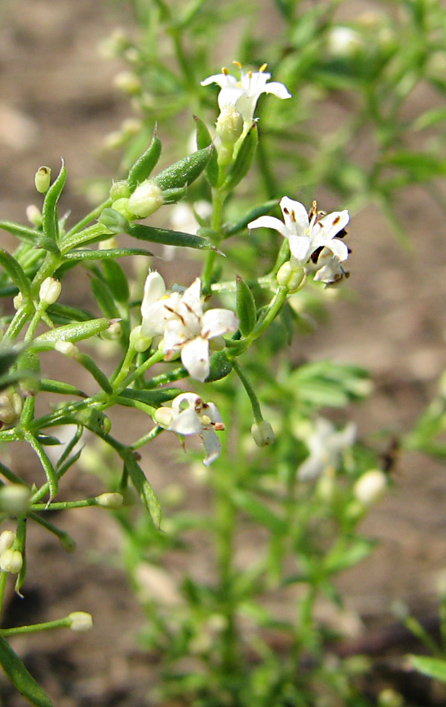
3	577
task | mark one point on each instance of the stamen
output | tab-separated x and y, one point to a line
225	71
262	68
238	65
250	74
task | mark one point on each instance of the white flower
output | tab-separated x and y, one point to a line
243	94
312	236
326	446
189	415
189	330
154	307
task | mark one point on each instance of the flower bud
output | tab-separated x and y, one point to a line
119	190
10	407
370	487
14	499
138	341
67	348
110	500
50	290
34	215
81	621
263	433
127	82
291	275
163	417
7	540
42	179
146	199
18	301
11	561
115	219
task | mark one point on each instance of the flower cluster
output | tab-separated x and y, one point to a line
314	238
185	328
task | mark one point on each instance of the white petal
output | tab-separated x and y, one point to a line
228	97
154	289
300	247
154	318
334	222
295	216
175	336
270	222
223	80
212	446
217	322
195	358
186	423
191	299
184	400
277	89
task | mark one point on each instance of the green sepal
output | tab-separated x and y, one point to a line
220	367
104	297
50	386
113	221
50	223
172	196
117	280
70	332
204	139
151	397
15	272
246	307
167	237
186	171
245	155
20	677
251	216
143	167
105	254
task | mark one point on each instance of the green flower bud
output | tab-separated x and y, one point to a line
120	206
119	190
291	275
138	341
10	407
110	500
50	290
263	433
11	561
7	540
81	621
370	487
14	499
128	83
146	199
229	126
42	179
163	417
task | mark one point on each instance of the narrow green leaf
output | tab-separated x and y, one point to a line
166	237
64	312
117	280
151	397
433	667
204	139
259	511
243	160
251	216
20	677
104	297
186	171
89	364
23	233
246	307
143	488
70	332
50	472
49	210
105	254
145	164
15	272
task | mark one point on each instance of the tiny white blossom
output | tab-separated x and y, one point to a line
189	330
154	310
190	415
243	94
326	446
314	238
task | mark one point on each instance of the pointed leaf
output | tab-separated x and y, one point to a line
49	211
186	171
166	237
204	139
246	307
243	160
143	167
20	677
15	272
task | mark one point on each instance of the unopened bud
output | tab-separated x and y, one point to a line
370	487
163	417
11	561
7	540
138	341
14	499
10	407
291	275
119	190
146	199
110	500
50	290
81	621
229	126
34	215
127	82
42	179
263	433
67	348
18	301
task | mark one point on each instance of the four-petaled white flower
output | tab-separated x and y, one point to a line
314	238
243	94
179	317
326	445
190	415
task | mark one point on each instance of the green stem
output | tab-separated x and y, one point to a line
219	197
60	623
89	217
140	370
257	412
3	577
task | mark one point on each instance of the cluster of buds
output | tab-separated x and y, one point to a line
11	560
